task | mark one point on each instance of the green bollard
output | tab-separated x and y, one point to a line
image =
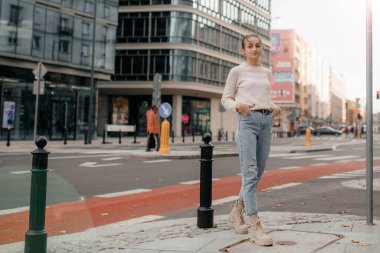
36	236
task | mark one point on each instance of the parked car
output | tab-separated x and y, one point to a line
302	130
327	131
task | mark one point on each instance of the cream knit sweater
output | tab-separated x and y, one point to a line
249	85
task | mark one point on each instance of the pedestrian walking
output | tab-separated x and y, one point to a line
152	129
247	91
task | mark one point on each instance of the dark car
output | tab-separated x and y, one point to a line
302	130
327	131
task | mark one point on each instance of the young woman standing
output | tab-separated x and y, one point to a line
247	91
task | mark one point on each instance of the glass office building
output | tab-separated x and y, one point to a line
193	44
58	33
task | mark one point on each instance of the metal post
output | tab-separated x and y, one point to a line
183	136
104	136
135	137
91	116
37	101
205	211
8	136
64	136
85	135
233	136
172	136
36	236
369	137
226	135
193	134
120	136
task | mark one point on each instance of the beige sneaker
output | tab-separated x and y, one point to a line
258	235
236	218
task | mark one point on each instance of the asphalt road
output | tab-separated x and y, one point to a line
81	176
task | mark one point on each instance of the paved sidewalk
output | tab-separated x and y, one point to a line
292	233
178	149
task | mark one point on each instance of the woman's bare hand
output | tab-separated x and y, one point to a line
244	108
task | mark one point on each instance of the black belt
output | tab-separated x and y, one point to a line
263	111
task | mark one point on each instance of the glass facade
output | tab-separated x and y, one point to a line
58	33
198	44
43	33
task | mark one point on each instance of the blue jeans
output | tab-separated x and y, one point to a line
253	138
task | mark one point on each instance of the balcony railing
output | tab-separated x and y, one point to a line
64	30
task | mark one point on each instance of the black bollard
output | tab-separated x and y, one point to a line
119	136
193	134
104	136
172	136
205	211
85	136
36	236
8	136
64	136
135	137
226	135
183	136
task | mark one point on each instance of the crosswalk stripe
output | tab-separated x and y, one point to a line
20	172
335	158
224	200
278	187
116	194
306	157
289	168
157	161
196	181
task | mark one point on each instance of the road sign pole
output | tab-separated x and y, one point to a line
37	98
369	135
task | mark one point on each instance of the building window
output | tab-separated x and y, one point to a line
12	39
85	28
89	7
64	46
14	15
107	12
85	52
36	42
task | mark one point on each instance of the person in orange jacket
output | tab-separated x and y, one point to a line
152	128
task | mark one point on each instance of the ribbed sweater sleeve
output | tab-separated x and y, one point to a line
228	98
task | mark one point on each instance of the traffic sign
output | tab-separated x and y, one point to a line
165	110
40	71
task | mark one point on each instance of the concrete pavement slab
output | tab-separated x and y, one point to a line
307	231
288	241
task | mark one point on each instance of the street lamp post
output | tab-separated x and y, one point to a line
369	135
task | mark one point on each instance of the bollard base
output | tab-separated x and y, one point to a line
35	241
205	217
164	150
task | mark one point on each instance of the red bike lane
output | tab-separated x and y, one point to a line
76	216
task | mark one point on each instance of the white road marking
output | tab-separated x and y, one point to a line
307	157
112	158
358	148
289	168
224	200
196	181
157	161
318	164
335	158
123	193
14	210
285	155
20	172
79	156
95	165
284	186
